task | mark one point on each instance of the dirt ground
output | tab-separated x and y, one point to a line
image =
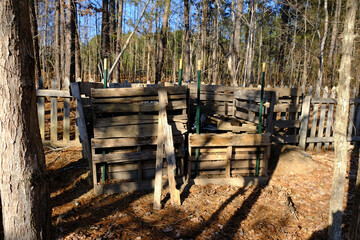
288	206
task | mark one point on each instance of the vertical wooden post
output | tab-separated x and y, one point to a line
322	120
351	116
304	118
170	159
54	111
160	150
66	120
228	161
315	118
357	124
329	121
41	110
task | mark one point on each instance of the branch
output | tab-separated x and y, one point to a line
127	41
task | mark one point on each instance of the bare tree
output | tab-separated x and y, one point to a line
187	67
341	123
23	185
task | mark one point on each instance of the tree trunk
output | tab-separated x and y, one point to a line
187	67
118	38
322	41
77	43
62	41
215	68
204	23
112	24
70	42
105	40
57	43
341	123
23	186
162	42
34	30
334	36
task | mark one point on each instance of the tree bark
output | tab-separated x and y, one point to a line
187	67
118	38
204	23
162	42
76	34
57	43
341	123
70	42
23	185
105	40
34	30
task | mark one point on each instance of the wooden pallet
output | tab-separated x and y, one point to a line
126	129
228	155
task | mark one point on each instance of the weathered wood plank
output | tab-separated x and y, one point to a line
130	156
304	118
252	95
53	93
135	120
315	119
207	140
163	101
137	107
141	91
54	111
351	116
66	119
144	130
171	165
41	110
223	165
228	161
282	107
81	122
329	120
85	87
287	123
129	142
136	99
321	121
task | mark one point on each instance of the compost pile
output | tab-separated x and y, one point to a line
288	206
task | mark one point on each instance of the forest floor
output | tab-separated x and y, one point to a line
288	206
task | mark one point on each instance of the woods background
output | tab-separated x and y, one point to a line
299	40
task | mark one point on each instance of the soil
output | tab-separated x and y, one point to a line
293	204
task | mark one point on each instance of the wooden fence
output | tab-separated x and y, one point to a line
58	111
307	120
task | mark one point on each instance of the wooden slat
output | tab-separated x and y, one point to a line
53	93
207	140
314	120
228	161
141	91
129	142
329	120
223	165
130	156
222	156
321	122
143	130
351	117
135	119
54	111
81	122
163	101
304	118
252	95
212	88
281	107
208	96
287	123
66	119
41	110
137	107
171	165
285	139
135	99
85	87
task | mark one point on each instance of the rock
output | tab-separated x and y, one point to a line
167	229
292	160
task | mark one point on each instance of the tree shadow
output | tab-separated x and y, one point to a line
350	214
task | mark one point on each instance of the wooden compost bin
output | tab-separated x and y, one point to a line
125	135
227	156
